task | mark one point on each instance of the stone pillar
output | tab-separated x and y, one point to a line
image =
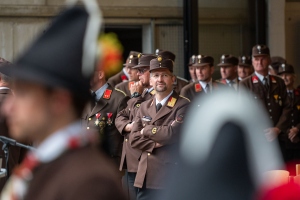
276	27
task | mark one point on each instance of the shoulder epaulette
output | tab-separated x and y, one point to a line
153	92
107	94
185	98
183	79
254	79
120	91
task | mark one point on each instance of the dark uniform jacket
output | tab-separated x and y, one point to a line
161	127
179	84
117	78
78	174
130	156
125	87
275	100
294	101
194	89
16	154
101	118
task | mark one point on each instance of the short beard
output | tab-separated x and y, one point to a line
161	89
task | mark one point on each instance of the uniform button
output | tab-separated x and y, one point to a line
292	120
87	127
126	140
144	125
270	117
269	104
90	119
292	114
149	154
270	110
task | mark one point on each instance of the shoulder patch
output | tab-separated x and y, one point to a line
297	92
120	91
171	102
273	79
185	98
107	94
198	87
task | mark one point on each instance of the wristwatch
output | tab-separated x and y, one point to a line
135	94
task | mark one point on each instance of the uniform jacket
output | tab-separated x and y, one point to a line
117	78
294	117
275	100
125	87
16	154
179	84
78	174
162	127
130	156
194	89
101	118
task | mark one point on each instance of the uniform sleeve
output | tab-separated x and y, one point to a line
137	140
284	120
122	119
166	134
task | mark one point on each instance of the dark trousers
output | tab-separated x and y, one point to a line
148	194
128	182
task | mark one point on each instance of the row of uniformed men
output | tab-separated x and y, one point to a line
116	113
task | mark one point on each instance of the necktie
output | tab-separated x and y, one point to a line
230	83
94	99
266	84
290	93
207	88
158	107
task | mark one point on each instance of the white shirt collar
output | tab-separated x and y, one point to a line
54	145
261	77
203	84
2	88
163	102
100	91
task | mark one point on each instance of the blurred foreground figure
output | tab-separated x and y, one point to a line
51	89
223	152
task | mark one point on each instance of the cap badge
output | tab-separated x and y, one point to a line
129	61
244	59
259	49
140	55
159	58
131	56
156	51
223	58
283	67
193	59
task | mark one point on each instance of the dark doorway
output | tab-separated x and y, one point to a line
129	36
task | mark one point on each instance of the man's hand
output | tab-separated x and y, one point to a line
272	133
293	135
136	87
128	127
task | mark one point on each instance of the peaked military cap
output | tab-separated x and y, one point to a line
285	68
245	61
202	60
260	50
227	60
144	60
161	63
166	54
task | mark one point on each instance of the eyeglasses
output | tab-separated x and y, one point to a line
142	70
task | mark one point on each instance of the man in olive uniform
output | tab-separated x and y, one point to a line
179	82
192	70
156	130
245	67
228	67
123	75
125	120
204	69
50	90
101	112
270	91
132	74
287	73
